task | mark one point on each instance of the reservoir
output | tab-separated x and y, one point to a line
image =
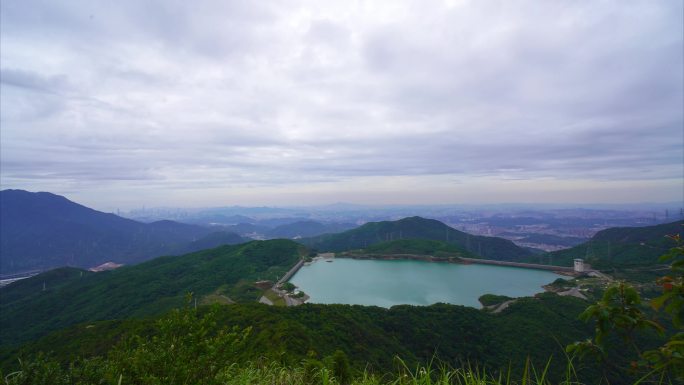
393	282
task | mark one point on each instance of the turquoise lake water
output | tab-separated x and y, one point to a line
389	283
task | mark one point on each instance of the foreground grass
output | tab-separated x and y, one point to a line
192	348
43	371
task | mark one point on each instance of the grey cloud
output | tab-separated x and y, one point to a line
328	32
244	93
32	80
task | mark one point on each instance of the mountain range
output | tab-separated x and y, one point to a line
41	230
75	312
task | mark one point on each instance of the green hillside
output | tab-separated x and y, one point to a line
417	228
150	288
36	286
619	247
79	304
418	247
370	336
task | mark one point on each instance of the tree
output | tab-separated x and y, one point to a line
619	313
670	356
189	348
340	367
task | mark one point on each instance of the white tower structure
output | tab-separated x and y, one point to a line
579	265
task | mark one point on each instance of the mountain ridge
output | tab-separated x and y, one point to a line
417	228
41	230
620	247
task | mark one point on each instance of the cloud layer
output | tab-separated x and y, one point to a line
249	102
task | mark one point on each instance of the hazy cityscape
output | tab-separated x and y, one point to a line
545	228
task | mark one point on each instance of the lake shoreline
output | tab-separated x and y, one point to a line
380	283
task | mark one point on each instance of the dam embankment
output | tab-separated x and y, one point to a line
290	273
565	269
430	258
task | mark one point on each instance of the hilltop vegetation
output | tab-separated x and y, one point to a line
369	336
51	280
417	228
531	330
619	247
417	247
150	288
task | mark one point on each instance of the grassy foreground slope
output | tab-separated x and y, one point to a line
417	228
27	311
620	247
371	337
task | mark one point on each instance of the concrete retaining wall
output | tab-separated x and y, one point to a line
290	273
429	258
518	264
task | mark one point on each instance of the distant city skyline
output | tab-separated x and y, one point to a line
211	103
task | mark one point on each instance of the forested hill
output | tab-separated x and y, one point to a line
536	328
44	230
302	229
417	247
620	247
59	298
417	228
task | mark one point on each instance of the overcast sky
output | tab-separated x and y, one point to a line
209	103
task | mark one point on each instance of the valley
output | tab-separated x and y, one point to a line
413	287
392	192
